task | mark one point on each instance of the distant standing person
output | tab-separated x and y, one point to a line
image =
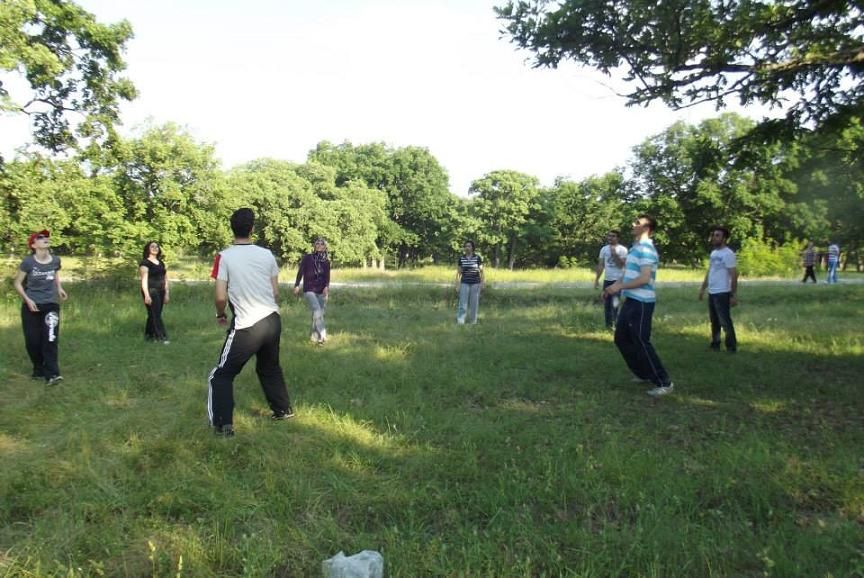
247	280
38	283
154	290
808	258
833	262
469	283
611	260
314	271
721	280
633	328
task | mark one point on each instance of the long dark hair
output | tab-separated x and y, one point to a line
147	250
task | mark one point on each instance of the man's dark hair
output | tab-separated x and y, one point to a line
615	232
723	230
242	222
651	222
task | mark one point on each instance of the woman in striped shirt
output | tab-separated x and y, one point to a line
469	282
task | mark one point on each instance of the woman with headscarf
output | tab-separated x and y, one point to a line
314	271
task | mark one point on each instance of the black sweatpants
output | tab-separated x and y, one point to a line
262	341
41	336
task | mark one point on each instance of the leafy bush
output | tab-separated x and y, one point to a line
760	258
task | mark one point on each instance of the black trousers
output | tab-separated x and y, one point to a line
720	314
41	336
809	274
262	341
154	329
633	338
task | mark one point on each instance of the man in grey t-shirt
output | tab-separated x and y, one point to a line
247	280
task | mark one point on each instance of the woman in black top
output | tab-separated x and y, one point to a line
154	289
314	270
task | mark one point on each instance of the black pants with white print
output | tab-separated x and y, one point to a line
41	336
262	341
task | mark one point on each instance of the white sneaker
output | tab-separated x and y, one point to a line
661	391
635	379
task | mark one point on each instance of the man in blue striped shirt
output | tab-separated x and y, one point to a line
633	330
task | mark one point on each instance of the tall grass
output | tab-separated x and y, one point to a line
517	447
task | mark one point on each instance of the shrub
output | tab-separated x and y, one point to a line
760	258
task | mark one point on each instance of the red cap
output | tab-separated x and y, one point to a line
32	238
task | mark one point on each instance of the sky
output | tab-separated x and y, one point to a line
272	78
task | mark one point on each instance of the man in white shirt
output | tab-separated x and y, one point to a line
611	260
247	280
721	280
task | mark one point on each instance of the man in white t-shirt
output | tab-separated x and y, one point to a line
721	280
611	261
247	280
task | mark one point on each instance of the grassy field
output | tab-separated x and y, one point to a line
517	447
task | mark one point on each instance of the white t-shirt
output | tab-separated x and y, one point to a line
248	269
611	269
719	278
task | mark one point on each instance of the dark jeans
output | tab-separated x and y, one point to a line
609	311
262	341
633	338
41	337
154	329
808	274
720	313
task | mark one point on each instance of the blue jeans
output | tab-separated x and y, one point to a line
610	312
318	305
633	338
469	302
832	271
720	314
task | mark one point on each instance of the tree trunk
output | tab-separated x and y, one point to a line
512	254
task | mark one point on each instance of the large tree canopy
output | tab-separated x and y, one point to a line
687	51
71	64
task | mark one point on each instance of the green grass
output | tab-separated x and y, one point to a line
517	447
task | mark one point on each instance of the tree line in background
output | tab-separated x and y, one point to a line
378	204
774	184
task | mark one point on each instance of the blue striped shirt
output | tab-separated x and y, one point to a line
642	254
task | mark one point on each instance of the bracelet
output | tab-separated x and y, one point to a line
222	316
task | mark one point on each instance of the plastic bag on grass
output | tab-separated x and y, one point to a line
365	564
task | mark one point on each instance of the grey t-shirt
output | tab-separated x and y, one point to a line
39	283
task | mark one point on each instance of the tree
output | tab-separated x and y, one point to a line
417	186
690	179
505	199
174	188
72	65
584	212
688	51
830	178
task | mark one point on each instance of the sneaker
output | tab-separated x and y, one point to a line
226	430
636	379
660	391
37	377
166	342
54	380
280	415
